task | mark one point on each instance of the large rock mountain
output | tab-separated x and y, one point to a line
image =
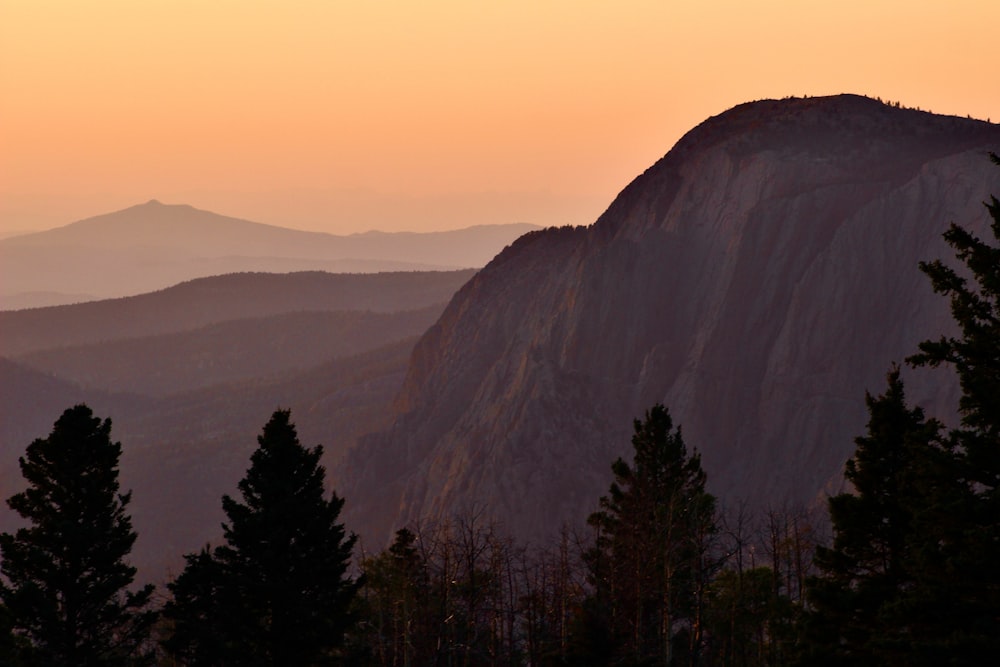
757	280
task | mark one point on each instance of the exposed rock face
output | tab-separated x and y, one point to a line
756	280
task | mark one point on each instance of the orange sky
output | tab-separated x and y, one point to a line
346	116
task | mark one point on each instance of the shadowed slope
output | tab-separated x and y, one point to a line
207	301
229	351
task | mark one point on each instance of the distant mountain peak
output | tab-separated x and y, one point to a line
155	205
153	245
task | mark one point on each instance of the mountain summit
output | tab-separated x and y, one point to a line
153	245
756	280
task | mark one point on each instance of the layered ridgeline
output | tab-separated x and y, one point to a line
189	374
756	280
152	246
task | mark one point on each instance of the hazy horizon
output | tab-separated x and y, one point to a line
346	118
366	211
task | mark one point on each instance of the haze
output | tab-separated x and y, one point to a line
344	117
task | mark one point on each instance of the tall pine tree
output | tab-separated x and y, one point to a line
65	577
649	567
912	576
954	607
867	569
277	592
975	355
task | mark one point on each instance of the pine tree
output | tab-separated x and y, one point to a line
867	569
649	565
954	607
202	632
66	576
975	355
277	592
912	577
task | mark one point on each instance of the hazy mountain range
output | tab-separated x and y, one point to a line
154	245
190	374
757	280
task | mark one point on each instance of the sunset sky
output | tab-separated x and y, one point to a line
348	116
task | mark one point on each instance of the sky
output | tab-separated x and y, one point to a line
402	115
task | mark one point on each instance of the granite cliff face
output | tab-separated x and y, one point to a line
756	280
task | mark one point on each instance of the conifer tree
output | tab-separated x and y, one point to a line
975	355
202	632
867	570
954	607
912	577
277	592
65	577
648	566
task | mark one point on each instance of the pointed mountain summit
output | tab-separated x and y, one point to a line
176	227
153	245
756	280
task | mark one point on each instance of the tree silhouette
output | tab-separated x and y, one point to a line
66	576
277	592
867	570
975	355
953	609
649	566
912	576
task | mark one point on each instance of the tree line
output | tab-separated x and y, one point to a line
663	575
281	588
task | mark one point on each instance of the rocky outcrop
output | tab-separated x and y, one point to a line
757	280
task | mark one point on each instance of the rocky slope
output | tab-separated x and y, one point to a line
756	280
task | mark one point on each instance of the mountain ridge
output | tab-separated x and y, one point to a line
154	213
152	246
196	303
229	351
189	374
